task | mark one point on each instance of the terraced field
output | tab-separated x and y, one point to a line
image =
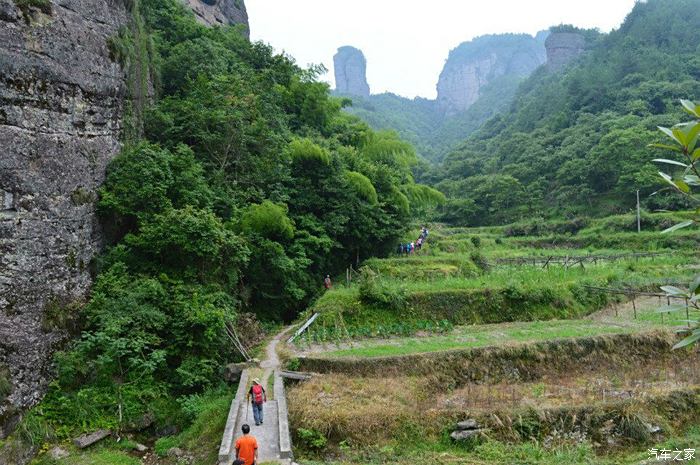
554	368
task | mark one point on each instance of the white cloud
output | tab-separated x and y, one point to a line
406	42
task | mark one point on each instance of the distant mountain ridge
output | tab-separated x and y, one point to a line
479	79
475	64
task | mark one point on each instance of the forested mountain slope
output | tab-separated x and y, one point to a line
479	78
575	141
240	185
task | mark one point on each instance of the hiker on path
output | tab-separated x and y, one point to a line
327	282
247	447
259	396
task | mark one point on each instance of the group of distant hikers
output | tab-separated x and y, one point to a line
403	249
247	445
410	247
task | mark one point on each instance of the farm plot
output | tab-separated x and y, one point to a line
508	330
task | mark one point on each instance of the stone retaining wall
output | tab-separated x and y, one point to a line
514	363
227	452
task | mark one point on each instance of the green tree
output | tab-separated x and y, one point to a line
684	179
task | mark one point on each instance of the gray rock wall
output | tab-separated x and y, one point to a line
350	69
220	12
61	101
475	64
460	87
563	48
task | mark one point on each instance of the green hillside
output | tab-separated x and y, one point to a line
429	128
413	119
532	305
575	142
241	184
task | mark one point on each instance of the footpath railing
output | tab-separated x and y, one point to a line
632	294
227	452
283	417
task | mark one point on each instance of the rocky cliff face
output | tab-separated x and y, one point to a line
475	64
350	69
562	48
61	101
62	98
220	12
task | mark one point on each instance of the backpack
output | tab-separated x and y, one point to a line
257	394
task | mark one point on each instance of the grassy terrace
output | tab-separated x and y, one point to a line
455	281
484	335
494	452
400	297
666	268
556	362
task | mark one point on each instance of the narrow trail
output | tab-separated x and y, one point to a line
267	434
272	362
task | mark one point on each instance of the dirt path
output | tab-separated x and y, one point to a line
272	361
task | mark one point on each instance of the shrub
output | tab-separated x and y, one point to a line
61	314
476	241
26	5
306	151
374	292
540	227
312	439
5	383
163	445
362	185
479	260
269	220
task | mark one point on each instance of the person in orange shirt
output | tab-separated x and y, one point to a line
247	447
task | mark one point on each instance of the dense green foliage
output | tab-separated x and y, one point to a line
459	276
574	142
248	185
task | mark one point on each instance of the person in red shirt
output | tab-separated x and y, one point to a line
257	392
327	282
247	447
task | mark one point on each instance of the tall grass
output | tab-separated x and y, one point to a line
443	281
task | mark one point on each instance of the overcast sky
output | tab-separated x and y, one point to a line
406	42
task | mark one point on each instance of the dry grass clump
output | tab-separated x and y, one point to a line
365	412
605	384
358	410
510	363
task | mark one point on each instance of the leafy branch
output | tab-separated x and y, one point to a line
685	142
